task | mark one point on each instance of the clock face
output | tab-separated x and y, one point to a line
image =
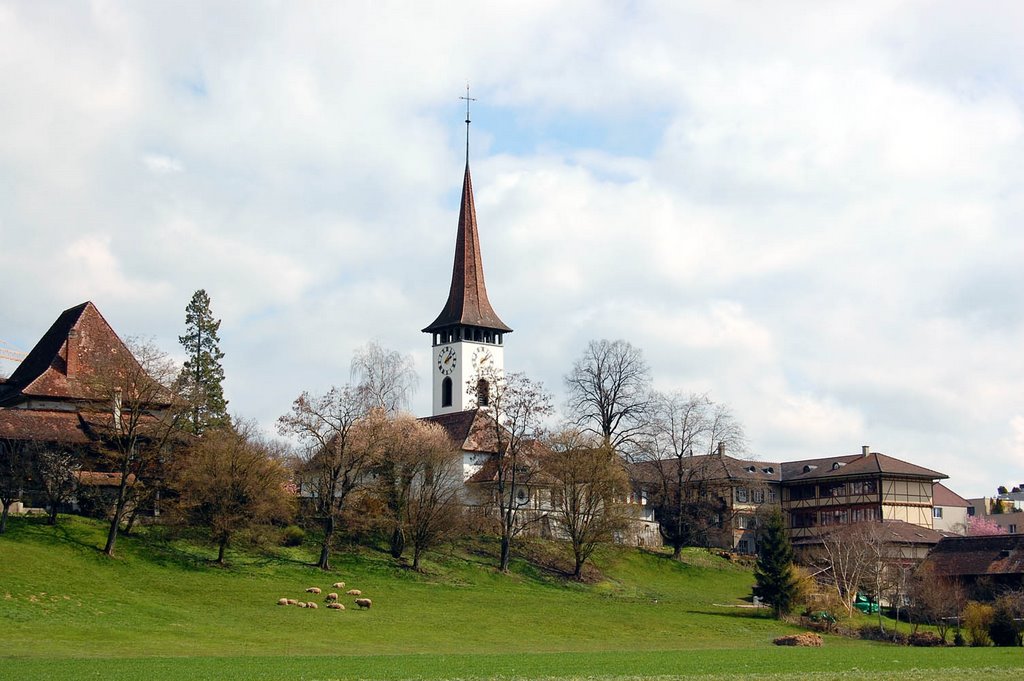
481	358
446	360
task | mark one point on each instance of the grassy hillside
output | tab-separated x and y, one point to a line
61	599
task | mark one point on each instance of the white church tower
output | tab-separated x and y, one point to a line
467	335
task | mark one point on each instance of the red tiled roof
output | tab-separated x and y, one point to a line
944	496
102	478
45	371
467	299
50	426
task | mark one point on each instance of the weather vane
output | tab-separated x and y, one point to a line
468	100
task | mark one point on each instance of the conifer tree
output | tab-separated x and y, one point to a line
776	583
202	374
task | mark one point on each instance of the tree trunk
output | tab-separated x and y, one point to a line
677	551
325	548
220	552
3	516
506	546
416	558
130	525
51	518
578	571
397	542
115	525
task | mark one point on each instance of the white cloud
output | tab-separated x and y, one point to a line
811	212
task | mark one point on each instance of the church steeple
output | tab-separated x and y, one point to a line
468	335
467	303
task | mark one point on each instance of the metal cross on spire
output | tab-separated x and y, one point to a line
468	100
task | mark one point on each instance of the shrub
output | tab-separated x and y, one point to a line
1003	630
958	640
977	620
293	535
925	639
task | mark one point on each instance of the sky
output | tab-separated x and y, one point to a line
811	211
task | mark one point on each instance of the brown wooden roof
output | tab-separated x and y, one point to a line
467	299
471	430
998	554
854	465
45	372
896	531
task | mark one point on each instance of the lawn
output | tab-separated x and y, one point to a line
161	610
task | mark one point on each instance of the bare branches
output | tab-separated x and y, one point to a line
588	485
386	379
144	415
233	479
336	457
609	392
519	407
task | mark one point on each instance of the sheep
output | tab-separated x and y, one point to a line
353	592
331	597
335	606
292	601
301	604
338	585
312	605
313	590
282	601
364	603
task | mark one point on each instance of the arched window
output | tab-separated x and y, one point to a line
446	392
483	393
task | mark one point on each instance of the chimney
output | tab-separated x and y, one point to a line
71	362
865	450
721	449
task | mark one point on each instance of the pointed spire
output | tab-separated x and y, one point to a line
467	299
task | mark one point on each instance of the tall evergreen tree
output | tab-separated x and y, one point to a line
776	583
202	375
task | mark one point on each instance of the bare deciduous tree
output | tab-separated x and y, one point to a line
937	600
335	460
143	418
588	489
57	469
433	512
685	432
231	480
518	407
386	379
609	393
15	468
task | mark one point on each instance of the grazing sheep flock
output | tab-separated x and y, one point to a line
330	599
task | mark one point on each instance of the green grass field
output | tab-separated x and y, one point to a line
160	610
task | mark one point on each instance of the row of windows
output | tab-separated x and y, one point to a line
756	495
838	516
833	489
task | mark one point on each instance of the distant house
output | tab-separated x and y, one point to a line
735	492
998	558
816	496
949	510
1005	510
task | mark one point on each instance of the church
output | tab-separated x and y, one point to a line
467	341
